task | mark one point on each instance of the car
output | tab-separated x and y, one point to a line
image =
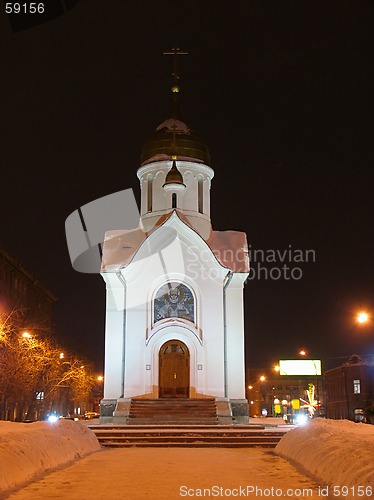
91	414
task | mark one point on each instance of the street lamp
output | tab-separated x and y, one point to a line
362	317
255	401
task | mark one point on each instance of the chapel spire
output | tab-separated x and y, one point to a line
175	87
173	137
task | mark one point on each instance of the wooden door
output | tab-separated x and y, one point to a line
174	370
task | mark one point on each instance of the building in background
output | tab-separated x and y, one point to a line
284	396
350	389
21	290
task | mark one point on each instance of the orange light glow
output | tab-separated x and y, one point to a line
362	317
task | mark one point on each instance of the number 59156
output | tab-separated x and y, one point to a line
24	8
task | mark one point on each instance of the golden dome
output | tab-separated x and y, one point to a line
174	138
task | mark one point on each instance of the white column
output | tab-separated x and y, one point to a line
235	356
114	336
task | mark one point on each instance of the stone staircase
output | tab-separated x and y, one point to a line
172	411
199	436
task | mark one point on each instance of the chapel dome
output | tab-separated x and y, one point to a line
174	138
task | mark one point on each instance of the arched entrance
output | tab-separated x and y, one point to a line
174	370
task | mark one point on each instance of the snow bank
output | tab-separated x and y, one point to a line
337	452
27	450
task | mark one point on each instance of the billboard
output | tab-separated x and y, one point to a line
300	367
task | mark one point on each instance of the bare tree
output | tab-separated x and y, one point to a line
36	377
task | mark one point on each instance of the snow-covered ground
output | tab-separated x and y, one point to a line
332	454
27	450
172	474
338	453
270	422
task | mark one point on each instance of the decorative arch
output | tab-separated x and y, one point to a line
196	356
174	300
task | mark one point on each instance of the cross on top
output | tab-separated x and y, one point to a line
175	51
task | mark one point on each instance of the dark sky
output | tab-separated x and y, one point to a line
282	92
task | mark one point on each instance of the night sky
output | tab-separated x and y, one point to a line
282	92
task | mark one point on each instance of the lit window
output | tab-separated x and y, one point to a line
356	387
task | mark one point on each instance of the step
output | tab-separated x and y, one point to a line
171	431
147	444
172	411
166	422
224	427
189	439
199	436
188	435
173	400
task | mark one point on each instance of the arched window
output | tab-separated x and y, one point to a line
200	194
174	200
149	193
174	300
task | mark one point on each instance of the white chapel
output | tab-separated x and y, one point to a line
174	287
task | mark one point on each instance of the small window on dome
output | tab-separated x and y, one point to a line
149	193
174	200
200	193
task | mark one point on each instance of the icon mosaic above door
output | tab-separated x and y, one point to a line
174	300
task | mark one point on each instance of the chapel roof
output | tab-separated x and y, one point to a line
120	246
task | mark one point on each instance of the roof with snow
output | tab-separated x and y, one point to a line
120	246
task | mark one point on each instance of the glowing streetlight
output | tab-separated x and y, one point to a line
26	335
362	317
277	368
302	352
62	355
261	379
100	378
